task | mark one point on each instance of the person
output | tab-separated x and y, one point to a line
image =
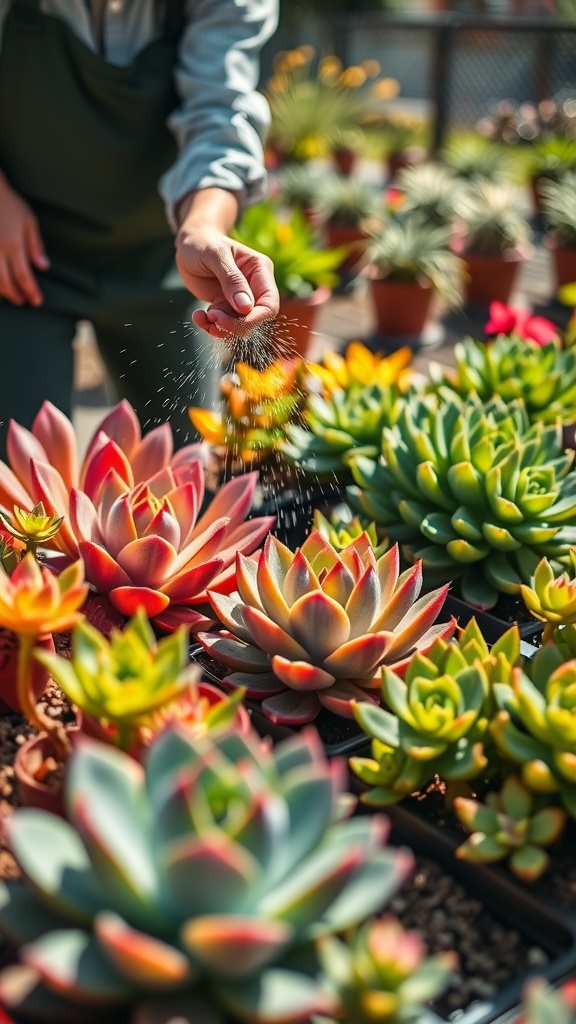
130	140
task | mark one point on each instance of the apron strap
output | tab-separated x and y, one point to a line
27	14
173	19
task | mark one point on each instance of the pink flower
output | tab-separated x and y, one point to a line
519	322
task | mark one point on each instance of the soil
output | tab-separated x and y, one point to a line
491	953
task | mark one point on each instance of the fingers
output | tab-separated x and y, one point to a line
35	246
26	283
8	287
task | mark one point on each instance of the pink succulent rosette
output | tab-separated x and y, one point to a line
147	548
132	512
44	462
311	629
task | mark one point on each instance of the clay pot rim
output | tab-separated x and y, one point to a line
422	283
508	256
316	298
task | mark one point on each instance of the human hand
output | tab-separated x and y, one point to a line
237	282
21	249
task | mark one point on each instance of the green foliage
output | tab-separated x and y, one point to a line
429	191
552	158
338	424
509	825
122	681
300	265
473	490
494	222
339	530
474	159
544	1005
559	207
193	888
543	376
536	725
409	250
437	718
300	184
381	974
348	200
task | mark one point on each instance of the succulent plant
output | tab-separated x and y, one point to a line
348	200
474	159
131	684
536	726
509	825
492	218
359	367
435	721
552	599
546	1005
191	888
45	466
409	250
473	490
428	192
299	184
310	629
338	424
381	973
559	207
339	530
543	376
147	547
256	406
34	528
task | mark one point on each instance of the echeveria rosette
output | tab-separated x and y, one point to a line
147	548
552	599
193	887
435	720
310	629
382	975
337	424
536	726
510	824
543	376
44	464
472	490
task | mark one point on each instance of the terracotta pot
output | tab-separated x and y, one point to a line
31	791
346	234
300	320
344	159
8	669
490	278
401	307
563	260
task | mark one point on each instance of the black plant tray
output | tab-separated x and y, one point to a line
547	926
341	737
492	624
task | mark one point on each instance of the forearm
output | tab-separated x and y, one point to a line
207	208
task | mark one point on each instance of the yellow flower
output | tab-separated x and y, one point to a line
33	527
210	428
371	67
306	51
353	77
386	89
329	68
284	233
33	601
360	366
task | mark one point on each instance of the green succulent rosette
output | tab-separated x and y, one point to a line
473	490
339	423
511	824
543	376
536	724
191	888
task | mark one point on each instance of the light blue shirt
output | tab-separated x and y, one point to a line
222	119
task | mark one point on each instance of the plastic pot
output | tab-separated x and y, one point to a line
346	234
491	625
490	278
563	261
300	316
401	308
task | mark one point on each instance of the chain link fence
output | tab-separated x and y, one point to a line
455	69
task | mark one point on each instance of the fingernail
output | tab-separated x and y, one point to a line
44	261
243	299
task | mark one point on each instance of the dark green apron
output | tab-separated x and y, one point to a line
85	142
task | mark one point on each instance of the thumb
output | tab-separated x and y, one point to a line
235	287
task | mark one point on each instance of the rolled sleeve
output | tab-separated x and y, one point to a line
222	119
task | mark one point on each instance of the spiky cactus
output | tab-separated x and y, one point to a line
473	490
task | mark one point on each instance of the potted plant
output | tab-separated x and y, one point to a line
344	209
559	211
305	273
476	160
402	136
299	185
549	160
428	191
494	241
406	263
318	106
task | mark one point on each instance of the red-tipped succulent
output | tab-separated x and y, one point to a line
147	548
45	466
310	629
